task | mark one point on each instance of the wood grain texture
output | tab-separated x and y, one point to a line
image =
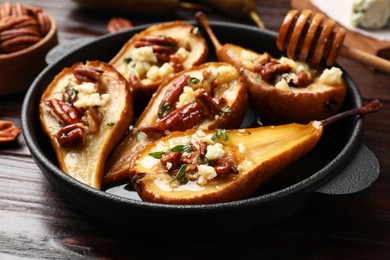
37	223
353	39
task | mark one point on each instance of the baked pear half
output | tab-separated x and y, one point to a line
214	166
157	53
208	96
284	91
84	112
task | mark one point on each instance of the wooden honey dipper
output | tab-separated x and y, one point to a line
314	39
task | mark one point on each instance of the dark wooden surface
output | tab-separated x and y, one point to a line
36	222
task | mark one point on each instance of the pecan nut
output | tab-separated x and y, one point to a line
88	74
172	95
8	131
70	135
162	46
68	114
187	116
117	24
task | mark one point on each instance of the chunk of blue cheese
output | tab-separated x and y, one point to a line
370	14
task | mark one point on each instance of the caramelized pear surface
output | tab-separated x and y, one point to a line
281	90
213	166
316	101
85	111
214	81
175	46
257	153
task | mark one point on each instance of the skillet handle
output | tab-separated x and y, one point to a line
354	179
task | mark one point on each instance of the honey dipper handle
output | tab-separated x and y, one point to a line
365	58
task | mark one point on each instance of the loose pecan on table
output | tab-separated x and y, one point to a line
21	27
117	24
8	131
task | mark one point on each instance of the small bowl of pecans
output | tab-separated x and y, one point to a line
26	35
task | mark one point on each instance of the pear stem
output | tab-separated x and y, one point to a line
256	18
201	18
372	107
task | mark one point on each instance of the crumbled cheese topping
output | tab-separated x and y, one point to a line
88	96
144	54
144	64
226	74
188	96
206	173
183	53
215	151
332	76
156	73
282	85
241	148
296	66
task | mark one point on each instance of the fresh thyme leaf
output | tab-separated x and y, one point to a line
181	148
164	108
219	134
69	94
127	60
157	155
112	123
180	174
226	109
192	81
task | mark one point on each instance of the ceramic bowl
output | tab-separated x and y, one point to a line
19	69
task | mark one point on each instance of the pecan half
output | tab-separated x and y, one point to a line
162	46
88	74
272	69
225	166
70	135
186	117
117	24
18	43
172	95
8	131
67	113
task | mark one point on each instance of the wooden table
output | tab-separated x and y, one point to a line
36	222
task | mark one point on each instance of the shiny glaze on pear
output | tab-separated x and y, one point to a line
119	166
312	101
83	158
259	153
184	34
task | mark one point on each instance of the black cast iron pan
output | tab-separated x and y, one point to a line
339	166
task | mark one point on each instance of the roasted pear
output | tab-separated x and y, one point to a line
213	166
315	95
208	96
283	90
227	52
158	53
85	111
